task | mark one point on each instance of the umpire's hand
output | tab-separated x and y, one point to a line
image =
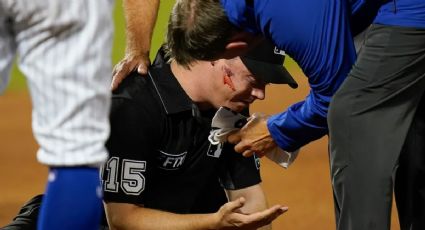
230	217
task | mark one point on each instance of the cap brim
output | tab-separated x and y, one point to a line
269	73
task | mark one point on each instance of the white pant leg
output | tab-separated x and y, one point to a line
7	46
64	49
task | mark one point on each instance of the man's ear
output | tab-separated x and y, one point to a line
240	43
235	48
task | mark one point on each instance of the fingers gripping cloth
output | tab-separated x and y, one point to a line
226	121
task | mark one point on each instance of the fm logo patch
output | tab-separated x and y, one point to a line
171	161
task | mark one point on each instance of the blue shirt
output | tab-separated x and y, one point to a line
316	34
407	13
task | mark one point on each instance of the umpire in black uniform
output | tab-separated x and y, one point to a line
162	172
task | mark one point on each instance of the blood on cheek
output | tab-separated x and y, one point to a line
228	81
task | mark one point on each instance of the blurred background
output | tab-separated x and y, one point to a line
305	187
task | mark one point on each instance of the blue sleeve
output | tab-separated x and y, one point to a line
301	123
316	34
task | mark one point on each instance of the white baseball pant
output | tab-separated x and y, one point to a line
64	50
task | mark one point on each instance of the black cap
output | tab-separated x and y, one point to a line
265	62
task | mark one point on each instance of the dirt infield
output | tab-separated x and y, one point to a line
305	187
21	176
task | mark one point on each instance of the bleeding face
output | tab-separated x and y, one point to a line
238	87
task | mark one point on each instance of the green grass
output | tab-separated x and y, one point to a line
18	81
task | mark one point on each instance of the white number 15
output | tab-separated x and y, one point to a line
132	180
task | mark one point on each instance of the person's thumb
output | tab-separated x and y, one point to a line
234	137
236	204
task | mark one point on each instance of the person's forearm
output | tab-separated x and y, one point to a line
140	18
255	200
150	219
254	195
153	219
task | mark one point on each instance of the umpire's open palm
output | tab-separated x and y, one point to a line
230	217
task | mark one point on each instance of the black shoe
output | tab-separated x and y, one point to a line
27	216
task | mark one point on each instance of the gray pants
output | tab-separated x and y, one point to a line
377	133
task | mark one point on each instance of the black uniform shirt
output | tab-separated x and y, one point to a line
160	156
